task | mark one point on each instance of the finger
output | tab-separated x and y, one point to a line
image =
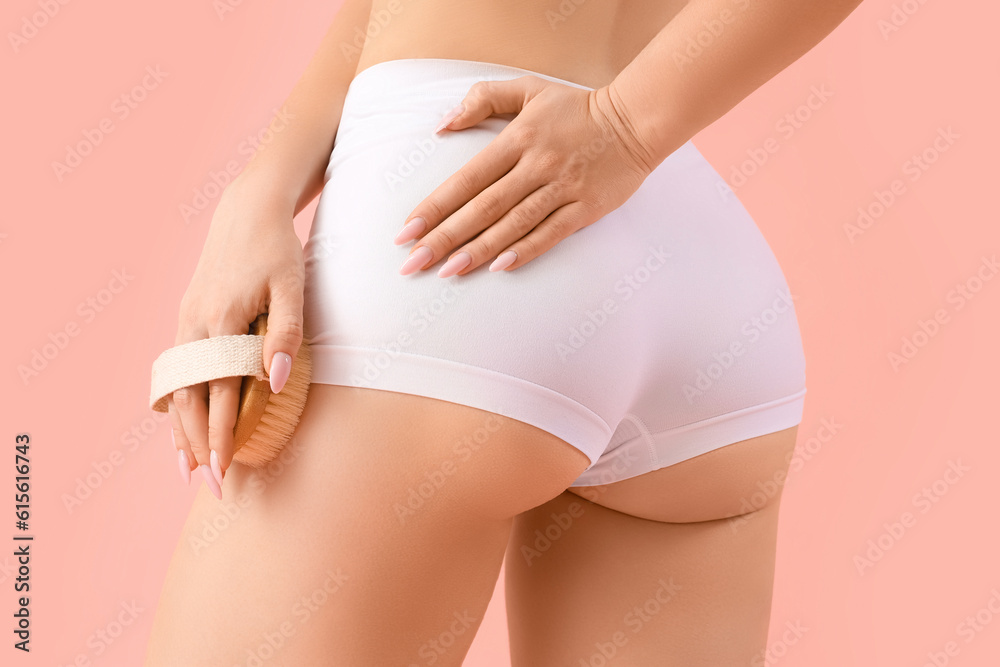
485	168
284	329
483	211
556	227
185	457
514	225
492	98
223	406
191	404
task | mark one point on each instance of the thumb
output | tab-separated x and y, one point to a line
491	98
284	332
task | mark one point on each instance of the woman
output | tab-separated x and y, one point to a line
586	357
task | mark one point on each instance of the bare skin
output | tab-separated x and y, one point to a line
390	579
312	561
589	45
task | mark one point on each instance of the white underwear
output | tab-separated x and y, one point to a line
660	332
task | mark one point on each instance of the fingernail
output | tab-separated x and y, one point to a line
209	476
450	116
216	468
184	465
503	261
455	264
416	260
410	230
281	366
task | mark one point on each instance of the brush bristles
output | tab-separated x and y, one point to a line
281	416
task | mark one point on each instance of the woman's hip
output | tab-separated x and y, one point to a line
676	272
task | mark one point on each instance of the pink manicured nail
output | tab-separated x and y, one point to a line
185	466
450	116
455	264
417	259
503	261
281	366
410	230
209	476
216	468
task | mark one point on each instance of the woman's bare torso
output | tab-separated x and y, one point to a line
584	41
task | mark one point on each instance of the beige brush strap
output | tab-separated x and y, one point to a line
203	360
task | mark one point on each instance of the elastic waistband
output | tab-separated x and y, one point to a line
433	76
426	70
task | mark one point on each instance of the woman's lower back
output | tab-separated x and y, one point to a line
588	42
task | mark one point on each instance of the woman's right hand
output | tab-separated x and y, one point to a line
252	263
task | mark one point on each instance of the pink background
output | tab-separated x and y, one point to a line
61	243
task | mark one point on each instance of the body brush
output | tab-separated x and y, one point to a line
265	420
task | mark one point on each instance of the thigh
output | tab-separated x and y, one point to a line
674	567
376	537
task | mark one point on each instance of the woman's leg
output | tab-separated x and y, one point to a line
665	569
376	541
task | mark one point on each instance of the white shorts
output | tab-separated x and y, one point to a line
660	332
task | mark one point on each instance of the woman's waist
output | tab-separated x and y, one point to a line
587	43
395	107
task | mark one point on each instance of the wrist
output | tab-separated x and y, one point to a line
619	121
649	127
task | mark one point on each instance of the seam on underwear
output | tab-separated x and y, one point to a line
726	416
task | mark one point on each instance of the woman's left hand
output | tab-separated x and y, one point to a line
567	159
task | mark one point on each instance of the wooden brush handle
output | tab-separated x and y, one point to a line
206	359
